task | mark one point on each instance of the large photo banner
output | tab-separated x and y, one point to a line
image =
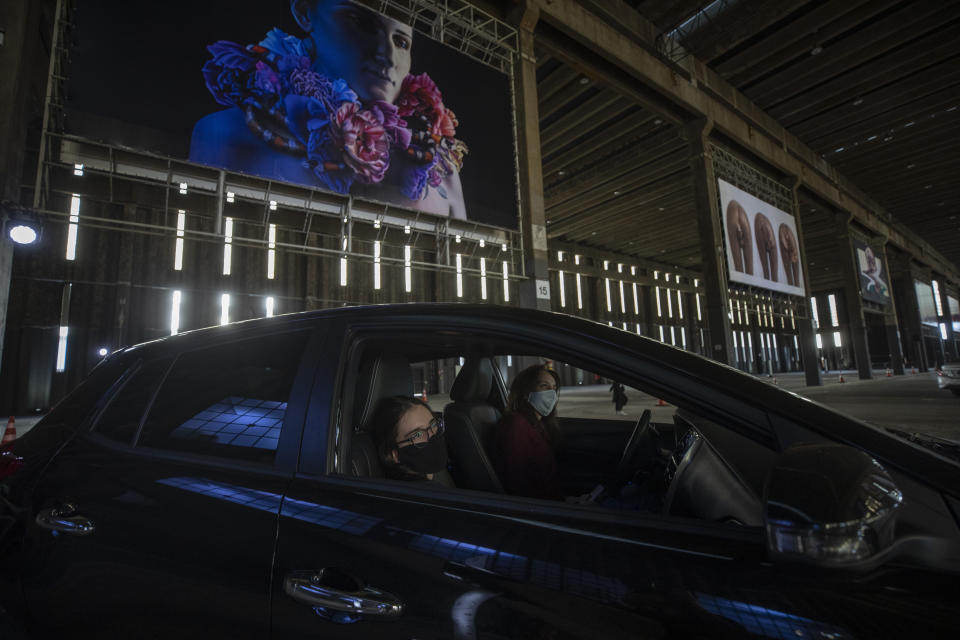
761	242
873	274
321	93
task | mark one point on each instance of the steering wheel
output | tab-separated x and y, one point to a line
627	464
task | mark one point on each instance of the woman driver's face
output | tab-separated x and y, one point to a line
545	382
371	52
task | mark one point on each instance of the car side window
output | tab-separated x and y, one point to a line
122	417
227	401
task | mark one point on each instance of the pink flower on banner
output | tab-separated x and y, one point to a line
394	126
364	140
419	96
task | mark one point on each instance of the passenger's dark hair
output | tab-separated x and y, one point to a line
523	384
383	431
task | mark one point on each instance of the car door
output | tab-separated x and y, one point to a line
364	557
161	521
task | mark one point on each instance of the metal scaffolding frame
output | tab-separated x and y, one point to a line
741	174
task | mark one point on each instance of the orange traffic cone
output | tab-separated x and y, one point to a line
889	373
661	403
841	378
423	395
11	433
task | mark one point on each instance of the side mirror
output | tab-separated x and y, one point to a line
829	504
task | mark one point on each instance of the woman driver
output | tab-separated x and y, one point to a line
527	437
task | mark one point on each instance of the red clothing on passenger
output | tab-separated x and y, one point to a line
524	458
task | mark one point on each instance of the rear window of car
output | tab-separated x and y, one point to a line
79	406
227	401
122	416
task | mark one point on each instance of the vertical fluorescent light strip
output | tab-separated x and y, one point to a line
376	265
72	229
819	341
272	251
661	333
836	339
699	315
227	245
579	293
606	282
636	301
832	299
943	330
813	311
225	308
62	350
669	303
506	282
673	336
459	275
563	294
178	249
175	313
656	292
679	304
270	306
407	269
683	337
638	328
483	278
623	303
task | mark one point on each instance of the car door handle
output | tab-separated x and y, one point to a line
65	519
333	589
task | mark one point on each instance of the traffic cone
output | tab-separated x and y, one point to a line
661	403
889	373
841	378
914	370
423	395
11	433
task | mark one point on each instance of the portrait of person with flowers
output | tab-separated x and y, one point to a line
338	109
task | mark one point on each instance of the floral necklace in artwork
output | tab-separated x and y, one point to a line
299	111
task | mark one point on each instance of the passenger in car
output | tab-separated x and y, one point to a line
527	437
409	440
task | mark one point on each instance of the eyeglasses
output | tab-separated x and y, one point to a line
421	437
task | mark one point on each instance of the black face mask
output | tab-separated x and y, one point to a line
427	459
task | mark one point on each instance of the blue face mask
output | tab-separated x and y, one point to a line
543	402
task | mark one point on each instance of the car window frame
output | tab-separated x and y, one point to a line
322	461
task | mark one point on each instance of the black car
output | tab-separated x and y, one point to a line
222	483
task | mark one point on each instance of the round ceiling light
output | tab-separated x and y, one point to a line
23	234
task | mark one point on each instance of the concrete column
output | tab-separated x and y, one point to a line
908	312
890	318
856	325
18	20
716	296
534	292
809	357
